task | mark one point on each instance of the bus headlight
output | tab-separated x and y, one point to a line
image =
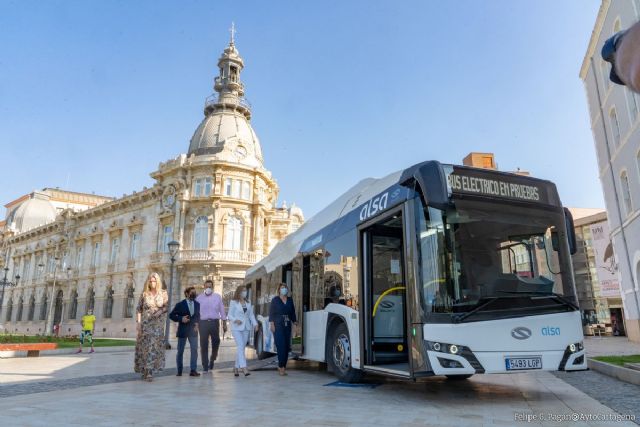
578	346
444	347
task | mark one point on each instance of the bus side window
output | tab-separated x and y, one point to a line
341	270
259	302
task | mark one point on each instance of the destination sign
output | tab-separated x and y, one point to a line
487	184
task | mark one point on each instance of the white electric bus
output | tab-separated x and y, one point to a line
433	270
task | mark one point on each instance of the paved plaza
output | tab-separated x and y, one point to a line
100	389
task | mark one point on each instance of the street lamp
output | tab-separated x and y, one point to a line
173	251
6	283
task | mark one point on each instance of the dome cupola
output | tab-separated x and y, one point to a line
226	131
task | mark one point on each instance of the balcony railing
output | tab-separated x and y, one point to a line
224	255
215	99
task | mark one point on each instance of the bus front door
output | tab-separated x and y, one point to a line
385	337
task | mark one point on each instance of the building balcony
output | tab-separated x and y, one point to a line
237	101
219	255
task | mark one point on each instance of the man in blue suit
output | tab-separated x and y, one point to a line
187	314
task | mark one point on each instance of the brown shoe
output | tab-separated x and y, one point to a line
194	374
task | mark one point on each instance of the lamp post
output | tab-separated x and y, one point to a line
6	283
173	251
48	329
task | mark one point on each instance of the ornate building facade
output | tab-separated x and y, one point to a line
217	201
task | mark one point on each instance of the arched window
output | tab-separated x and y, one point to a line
43	306
626	193
20	309
615	127
57	308
9	309
234	236
32	307
129	303
73	304
91	299
108	302
201	233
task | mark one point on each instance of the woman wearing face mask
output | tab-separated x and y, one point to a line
282	314
152	307
243	322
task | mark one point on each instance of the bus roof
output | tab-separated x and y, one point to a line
288	248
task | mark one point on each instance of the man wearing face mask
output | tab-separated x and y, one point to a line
211	312
187	314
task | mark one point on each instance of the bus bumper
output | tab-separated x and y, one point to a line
493	362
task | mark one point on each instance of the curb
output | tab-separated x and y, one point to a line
617	372
59	351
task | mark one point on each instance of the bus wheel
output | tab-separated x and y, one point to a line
260	353
339	355
459	377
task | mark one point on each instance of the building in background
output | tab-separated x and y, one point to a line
615	119
486	161
595	272
77	251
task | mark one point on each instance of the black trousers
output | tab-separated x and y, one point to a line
209	328
283	343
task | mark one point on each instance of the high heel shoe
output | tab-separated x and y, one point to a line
235	372
245	372
282	372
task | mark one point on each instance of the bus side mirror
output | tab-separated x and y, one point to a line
571	232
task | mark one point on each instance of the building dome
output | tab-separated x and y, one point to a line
226	132
229	135
36	211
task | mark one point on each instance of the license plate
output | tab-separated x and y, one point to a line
521	363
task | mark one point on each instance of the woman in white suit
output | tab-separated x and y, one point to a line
242	322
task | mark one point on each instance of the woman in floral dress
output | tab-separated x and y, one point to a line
151	312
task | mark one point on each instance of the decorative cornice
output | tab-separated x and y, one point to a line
595	36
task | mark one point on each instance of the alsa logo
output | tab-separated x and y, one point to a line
374	206
549	331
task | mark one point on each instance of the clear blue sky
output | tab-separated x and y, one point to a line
93	95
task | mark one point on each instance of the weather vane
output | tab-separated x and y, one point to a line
232	30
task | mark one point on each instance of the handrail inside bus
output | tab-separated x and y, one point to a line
375	306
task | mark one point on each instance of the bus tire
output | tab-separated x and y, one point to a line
260	353
459	377
339	355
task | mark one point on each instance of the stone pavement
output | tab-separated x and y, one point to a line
610	346
55	368
305	397
101	390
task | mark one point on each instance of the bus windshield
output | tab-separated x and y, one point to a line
486	260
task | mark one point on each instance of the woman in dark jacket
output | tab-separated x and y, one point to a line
282	314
